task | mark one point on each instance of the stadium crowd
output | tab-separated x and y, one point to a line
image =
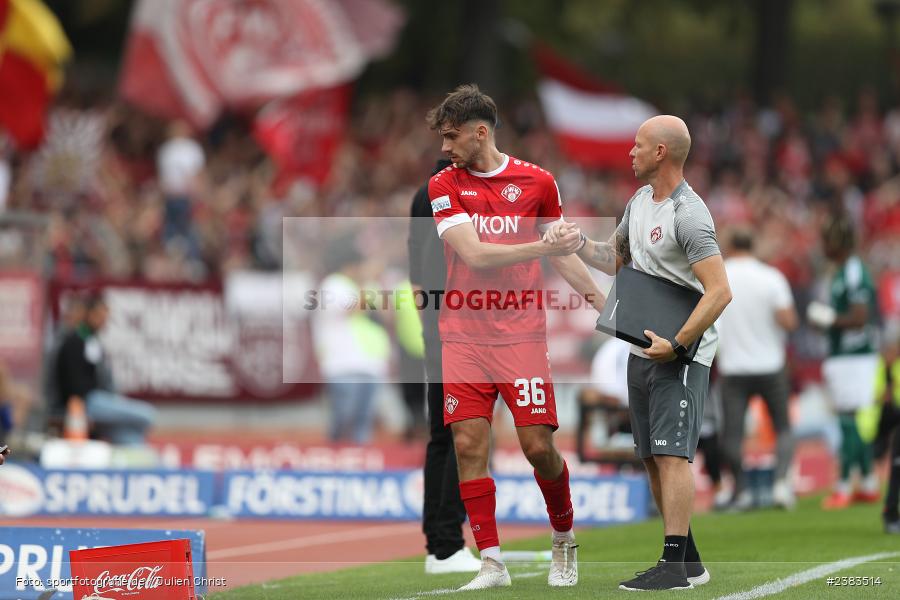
100	176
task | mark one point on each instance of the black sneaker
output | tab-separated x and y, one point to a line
696	573
892	527
663	576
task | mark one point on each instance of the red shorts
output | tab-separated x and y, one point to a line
475	373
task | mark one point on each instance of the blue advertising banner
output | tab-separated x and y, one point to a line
397	495
35	560
27	490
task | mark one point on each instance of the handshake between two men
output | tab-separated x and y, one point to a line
567	239
564	238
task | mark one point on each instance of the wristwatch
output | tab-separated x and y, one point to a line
679	350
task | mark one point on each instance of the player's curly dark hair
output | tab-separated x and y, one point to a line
838	234
465	103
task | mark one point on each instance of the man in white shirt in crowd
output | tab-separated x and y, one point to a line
179	163
753	333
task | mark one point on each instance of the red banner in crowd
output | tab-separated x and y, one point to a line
21	323
181	342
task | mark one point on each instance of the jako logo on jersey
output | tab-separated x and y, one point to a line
511	193
496	224
659	442
451	403
539	411
656	234
468	193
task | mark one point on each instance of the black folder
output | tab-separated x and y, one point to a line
639	301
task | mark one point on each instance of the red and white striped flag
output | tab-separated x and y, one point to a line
594	123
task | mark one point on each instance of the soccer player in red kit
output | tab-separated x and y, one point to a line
491	210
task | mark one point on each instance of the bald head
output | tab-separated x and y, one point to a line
671	132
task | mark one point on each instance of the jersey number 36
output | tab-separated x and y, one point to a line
530	391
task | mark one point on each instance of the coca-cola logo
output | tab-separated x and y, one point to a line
142	578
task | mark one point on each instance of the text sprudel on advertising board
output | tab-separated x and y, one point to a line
34	560
27	490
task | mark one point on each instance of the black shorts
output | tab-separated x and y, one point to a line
666	406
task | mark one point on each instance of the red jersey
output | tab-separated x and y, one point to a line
513	204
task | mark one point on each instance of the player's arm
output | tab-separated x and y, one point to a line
716	295
856	317
783	302
608	256
482	255
710	272
787	318
577	275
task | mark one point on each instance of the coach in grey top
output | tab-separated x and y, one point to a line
667	231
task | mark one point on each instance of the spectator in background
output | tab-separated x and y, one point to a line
82	376
849	371
411	363
887	409
752	338
15	403
443	512
608	392
709	443
72	314
352	349
179	164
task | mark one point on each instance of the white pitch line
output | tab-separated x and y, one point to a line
322	539
779	585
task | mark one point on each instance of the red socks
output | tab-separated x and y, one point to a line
558	499
480	499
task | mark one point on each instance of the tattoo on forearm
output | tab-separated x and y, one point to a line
603	253
623	249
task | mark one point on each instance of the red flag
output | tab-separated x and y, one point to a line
302	133
191	58
594	123
32	50
23	100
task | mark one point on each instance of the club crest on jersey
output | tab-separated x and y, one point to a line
511	193
451	403
656	234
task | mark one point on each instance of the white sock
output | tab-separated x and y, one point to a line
871	484
564	536
493	553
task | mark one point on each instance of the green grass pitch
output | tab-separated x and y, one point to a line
741	551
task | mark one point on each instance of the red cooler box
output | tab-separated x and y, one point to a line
151	571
